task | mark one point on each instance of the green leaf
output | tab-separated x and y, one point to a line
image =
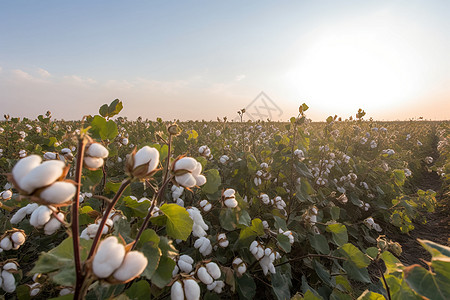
433	285
213	181
59	261
399	177
246	287
256	229
228	219
138	290
368	295
354	255
323	273
283	242
356	273
437	251
98	124
103	111
399	288
339	232
177	221
153	255
319	243
309	295
109	131
163	274
114	108
281	285
335	212
133	208
372	252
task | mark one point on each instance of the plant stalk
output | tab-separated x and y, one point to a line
75	206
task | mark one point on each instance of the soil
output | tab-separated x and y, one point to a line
436	228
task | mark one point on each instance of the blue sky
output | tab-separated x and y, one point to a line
202	59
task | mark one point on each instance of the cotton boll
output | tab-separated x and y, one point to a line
9	283
204	276
30	208
40	216
53	225
6	243
59	192
176	291
146	155
6	195
229	193
213	270
200	180
191	289
42	175
185	263
24	166
185	163
97	150
132	266
109	257
93	162
231	203
205	205
18	216
84	235
18	238
186	180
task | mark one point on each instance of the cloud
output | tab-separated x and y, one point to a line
79	80
19	74
44	73
240	77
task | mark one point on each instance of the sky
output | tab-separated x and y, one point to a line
194	60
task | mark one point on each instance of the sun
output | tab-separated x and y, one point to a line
343	69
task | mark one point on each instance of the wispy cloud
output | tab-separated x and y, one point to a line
22	74
240	77
44	73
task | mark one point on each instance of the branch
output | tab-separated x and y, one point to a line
75	206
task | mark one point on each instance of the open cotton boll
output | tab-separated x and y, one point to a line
229	193
186	180
31	207
18	238
109	257
9	283
185	163
132	266
43	175
146	155
24	166
231	203
59	192
216	286
204	276
93	162
6	195
97	150
19	215
40	216
191	289
185	263
200	180
176	291
53	225
6	243
213	270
